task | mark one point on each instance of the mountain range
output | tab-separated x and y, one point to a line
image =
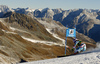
37	34
87	21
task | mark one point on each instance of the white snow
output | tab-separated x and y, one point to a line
46	42
8	32
90	57
45	9
38	9
30	10
12	28
56	36
40	41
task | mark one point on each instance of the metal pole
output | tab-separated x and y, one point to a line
65	45
66	41
75	25
75	29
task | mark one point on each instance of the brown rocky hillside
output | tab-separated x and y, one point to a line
28	24
13	47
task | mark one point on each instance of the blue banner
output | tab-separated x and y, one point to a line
70	32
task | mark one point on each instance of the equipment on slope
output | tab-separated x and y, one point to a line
70	32
78	47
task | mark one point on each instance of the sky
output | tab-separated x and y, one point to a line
64	4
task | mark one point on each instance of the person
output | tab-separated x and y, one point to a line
78	46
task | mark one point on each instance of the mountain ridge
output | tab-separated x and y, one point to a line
31	39
85	19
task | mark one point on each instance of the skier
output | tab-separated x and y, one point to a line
79	46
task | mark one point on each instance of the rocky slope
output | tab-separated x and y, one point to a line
87	20
22	37
14	47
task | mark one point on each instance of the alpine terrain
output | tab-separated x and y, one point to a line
36	34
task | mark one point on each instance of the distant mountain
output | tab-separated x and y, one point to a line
87	20
4	9
57	28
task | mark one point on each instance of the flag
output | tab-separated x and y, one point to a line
71	32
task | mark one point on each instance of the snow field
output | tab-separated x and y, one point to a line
91	58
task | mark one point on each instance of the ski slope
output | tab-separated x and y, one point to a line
89	57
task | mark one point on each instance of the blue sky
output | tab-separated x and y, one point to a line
64	4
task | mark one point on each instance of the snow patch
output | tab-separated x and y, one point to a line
98	56
56	36
97	49
30	10
39	41
8	32
12	28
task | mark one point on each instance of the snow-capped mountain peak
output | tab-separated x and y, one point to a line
4	8
45	9
29	9
38	9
